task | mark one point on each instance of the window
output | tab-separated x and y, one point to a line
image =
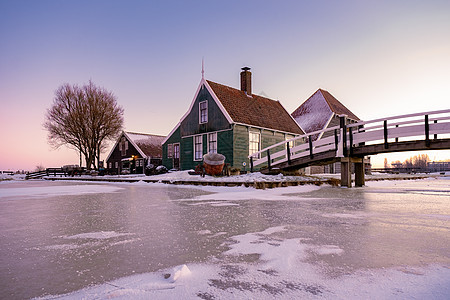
117	164
203	111
291	143
123	146
110	165
253	142
212	142
169	150
198	147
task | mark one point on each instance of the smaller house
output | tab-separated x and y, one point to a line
321	111
132	152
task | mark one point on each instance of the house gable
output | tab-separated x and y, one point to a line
123	148
192	114
216	118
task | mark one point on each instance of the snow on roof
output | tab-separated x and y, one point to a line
149	144
315	113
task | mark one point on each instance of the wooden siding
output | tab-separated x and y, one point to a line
240	146
116	156
216	120
241	143
174	138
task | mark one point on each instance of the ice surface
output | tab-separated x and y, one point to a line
97	235
385	241
279	272
44	191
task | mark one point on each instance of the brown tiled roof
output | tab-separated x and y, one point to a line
255	110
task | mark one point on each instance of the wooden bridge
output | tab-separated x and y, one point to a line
350	143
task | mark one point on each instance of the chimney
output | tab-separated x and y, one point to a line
246	81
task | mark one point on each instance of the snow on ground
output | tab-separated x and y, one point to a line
265	265
255	177
44	191
4	176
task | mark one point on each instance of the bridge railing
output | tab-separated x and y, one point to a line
300	146
342	139
419	126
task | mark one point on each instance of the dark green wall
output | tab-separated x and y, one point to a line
241	143
174	138
216	120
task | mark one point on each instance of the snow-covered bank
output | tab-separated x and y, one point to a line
6	176
256	179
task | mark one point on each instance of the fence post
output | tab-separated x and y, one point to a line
386	145
268	159
311	154
288	153
427	132
251	164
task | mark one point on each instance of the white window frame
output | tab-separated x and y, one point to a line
116	165
202	120
198	142
169	150
212	141
251	149
176	155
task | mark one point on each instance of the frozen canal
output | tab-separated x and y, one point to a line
100	241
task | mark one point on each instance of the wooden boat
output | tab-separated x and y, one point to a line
213	163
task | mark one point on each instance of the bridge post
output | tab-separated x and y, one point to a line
344	133
435	135
350	133
427	132
346	174
268	160
288	153
251	164
359	172
386	144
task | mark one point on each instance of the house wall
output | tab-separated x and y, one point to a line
216	119
241	143
116	156
174	138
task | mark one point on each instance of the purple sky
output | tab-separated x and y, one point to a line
379	58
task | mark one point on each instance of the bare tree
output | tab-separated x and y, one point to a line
83	118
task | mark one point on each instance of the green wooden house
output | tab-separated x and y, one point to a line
229	121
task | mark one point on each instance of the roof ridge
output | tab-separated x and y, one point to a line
253	95
332	106
150	134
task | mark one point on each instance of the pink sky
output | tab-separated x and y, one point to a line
379	59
